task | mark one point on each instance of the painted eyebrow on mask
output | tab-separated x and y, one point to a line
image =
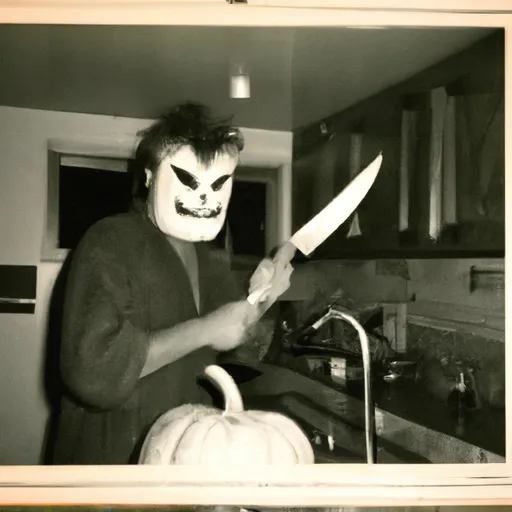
189	180
218	183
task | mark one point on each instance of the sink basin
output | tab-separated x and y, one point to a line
317	422
319	406
271	388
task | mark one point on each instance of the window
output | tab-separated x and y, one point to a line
89	190
84	189
250	231
81	191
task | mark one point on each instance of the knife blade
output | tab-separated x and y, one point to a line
323	224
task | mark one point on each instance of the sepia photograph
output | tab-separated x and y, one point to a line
239	509
252	246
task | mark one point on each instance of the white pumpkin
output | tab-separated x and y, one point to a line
200	435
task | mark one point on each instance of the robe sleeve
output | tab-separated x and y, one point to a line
104	347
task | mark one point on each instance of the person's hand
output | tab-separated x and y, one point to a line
227	326
271	281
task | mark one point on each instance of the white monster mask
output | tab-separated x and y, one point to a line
187	200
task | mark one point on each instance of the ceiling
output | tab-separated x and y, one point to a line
298	75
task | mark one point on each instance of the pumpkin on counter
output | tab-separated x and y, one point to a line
201	435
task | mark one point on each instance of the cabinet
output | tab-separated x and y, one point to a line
440	191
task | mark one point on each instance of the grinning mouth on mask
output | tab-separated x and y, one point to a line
198	213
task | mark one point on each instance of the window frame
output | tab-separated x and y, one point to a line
51	252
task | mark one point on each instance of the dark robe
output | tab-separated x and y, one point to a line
126	281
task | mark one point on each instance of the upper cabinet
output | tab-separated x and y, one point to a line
441	188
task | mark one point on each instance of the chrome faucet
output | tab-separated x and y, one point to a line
291	341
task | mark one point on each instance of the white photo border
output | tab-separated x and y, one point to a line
326	485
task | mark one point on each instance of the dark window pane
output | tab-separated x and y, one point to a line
246	219
87	196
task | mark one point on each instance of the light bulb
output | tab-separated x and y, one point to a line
240	86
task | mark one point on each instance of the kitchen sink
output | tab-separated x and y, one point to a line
327	413
318	423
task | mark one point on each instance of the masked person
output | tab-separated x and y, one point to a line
148	303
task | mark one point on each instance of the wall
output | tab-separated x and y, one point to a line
23	146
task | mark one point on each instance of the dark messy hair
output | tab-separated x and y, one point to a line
189	124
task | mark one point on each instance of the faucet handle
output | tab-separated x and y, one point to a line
285	327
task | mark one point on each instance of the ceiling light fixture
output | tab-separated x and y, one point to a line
240	87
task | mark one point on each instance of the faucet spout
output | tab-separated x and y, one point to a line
297	343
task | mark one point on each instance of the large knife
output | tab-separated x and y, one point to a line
323	224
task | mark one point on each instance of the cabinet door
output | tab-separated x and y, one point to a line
480	164
328	167
372	230
456	204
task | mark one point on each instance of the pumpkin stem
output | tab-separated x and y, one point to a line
232	398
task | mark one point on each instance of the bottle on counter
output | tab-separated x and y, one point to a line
463	399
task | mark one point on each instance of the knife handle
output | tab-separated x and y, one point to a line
281	259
